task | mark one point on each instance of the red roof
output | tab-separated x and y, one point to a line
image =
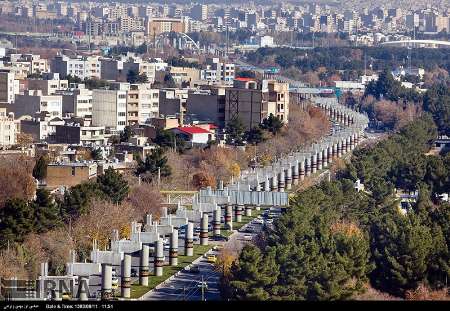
193	130
245	79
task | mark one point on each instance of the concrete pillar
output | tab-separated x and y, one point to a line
344	146
173	252
352	142
144	270
274	185
216	223
335	150
319	160
330	154
281	180
339	149
307	166
158	260
229	217
346	119
314	163
189	240
248	210
204	230
238	212
257	207
106	281
325	157
83	286
289	177
301	170
126	276
267	184
348	145
220	185
296	173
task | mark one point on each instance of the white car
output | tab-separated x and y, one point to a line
258	221
269	221
248	237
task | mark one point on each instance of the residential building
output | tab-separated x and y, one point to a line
159	25
70	174
77	101
33	101
253	102
49	85
79	133
109	108
194	134
7	128
218	71
142	104
8	86
83	67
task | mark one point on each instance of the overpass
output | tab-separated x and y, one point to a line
419	43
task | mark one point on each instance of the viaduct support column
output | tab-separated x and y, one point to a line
173	253
204	230
189	240
126	276
144	270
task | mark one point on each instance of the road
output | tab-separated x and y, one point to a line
185	286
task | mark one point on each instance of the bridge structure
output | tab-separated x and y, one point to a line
179	40
418	43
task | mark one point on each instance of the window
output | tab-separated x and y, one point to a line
73	170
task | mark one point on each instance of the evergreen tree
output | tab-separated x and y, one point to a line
97	154
113	185
154	161
46	213
254	136
76	199
254	276
401	246
167	139
40	168
16	221
126	134
235	132
272	124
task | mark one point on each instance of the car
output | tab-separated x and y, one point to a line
115	283
269	221
248	237
193	269
258	221
217	247
211	258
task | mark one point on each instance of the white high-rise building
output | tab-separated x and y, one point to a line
7	128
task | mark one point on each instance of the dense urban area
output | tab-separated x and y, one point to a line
263	150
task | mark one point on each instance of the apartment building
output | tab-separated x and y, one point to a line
8	86
79	133
34	101
216	71
156	26
199	12
7	128
143	104
77	101
83	67
109	108
49	85
252	102
70	174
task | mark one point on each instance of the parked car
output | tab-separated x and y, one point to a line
248	237
193	269
211	258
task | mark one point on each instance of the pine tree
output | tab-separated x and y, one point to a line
16	221
113	185
272	124
46	212
235	131
76	199
154	161
40	168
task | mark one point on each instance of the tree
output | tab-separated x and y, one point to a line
126	134
169	81
76	199
235	131
46	213
155	161
134	77
254	275
400	249
254	136
203	180
113	185
272	124
16	221
97	154
40	169
167	139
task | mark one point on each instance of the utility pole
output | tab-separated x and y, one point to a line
159	176
204	286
